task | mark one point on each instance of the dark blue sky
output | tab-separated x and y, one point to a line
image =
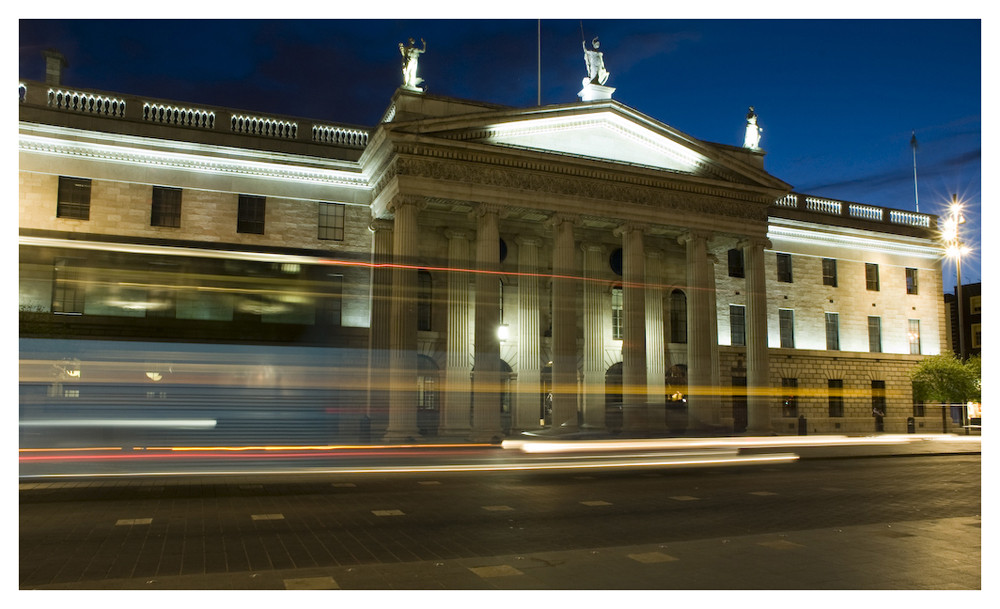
837	99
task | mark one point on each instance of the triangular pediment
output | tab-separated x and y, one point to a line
606	135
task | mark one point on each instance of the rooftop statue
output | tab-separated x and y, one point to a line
752	138
411	54
596	73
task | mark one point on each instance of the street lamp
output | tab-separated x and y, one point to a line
955	249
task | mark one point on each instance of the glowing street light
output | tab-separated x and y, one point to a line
955	249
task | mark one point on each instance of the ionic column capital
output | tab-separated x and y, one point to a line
528	240
482	209
629	228
380	224
754	242
694	235
400	201
457	233
560	219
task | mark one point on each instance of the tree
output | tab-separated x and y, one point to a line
945	378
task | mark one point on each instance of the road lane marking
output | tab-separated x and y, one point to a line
131	521
388	512
498	508
267	516
344	484
429	482
781	544
495	571
595	503
311	583
762	493
684	498
652	557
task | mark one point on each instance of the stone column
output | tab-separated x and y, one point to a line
594	262
715	400
457	407
380	292
527	404
564	280
699	330
486	375
634	391
403	322
758	370
656	353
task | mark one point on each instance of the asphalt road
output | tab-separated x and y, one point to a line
612	529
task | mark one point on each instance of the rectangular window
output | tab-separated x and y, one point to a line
74	198
875	334
878	398
977	336
914	336
166	209
918	408
830	272
833	331
736	263
616	313
331	221
790	397
911	281
737	325
975	305
835	389
871	276
250	215
786	326
785	268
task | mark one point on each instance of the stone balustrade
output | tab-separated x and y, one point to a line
859	211
123	107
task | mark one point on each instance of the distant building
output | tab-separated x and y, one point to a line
469	270
971	319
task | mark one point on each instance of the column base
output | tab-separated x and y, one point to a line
402	436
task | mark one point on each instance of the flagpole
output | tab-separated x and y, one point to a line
539	62
916	197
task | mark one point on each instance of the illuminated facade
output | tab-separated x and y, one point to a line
579	265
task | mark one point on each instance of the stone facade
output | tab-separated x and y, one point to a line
606	268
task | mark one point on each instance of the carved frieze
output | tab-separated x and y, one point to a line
606	186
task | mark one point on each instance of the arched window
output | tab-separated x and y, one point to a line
424	296
616	312
678	317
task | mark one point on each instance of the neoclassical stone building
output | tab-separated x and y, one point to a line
476	270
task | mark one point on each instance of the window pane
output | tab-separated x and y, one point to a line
166	210
875	334
737	325
830	272
678	317
790	399
331	221
616	313
835	388
833	331
736	263
250	215
786	325
871	276
785	268
914	336
911	281
73	198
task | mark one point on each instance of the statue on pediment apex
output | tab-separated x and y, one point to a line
597	74
752	138
411	55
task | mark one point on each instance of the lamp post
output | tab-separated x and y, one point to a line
955	249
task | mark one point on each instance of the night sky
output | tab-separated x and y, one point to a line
837	99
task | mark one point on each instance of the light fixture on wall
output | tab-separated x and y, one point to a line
503	332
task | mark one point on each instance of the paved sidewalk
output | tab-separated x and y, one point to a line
933	554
